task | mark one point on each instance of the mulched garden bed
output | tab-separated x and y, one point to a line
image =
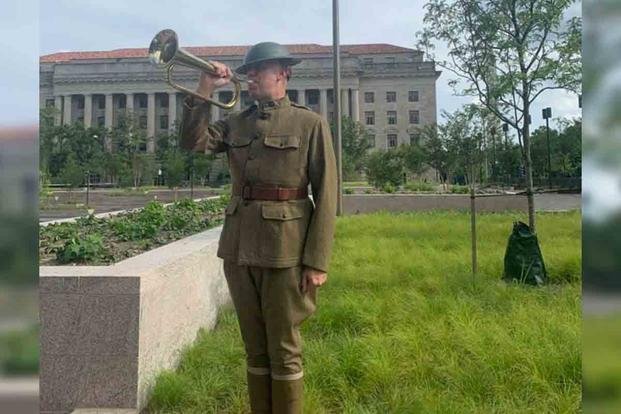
95	241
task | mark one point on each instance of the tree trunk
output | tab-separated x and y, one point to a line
528	168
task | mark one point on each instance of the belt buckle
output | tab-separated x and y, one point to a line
246	192
280	194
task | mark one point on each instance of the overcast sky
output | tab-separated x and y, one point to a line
72	25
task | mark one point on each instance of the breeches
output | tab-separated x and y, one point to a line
270	307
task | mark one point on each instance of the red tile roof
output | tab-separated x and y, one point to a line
296	49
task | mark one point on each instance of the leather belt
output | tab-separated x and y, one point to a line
273	193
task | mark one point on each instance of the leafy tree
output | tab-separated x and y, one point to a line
174	170
129	142
435	150
507	52
202	166
565	150
464	130
385	167
356	141
72	174
413	158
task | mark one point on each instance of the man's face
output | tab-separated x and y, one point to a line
267	77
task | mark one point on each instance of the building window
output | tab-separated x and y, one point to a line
246	99
142	101
414	117
330	96
164	101
412	96
122	101
330	116
367	61
391	61
369	97
414	139
142	122
101	102
392	117
293	95
369	117
80	102
392	140
142	147
225	96
391	96
164	122
101	121
312	97
372	140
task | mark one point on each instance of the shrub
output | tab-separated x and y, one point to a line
388	188
419	186
76	249
385	167
459	189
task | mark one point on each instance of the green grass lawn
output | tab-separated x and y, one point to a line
602	364
401	328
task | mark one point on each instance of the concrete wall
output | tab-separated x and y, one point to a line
107	331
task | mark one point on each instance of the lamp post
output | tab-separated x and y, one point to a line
547	114
159	176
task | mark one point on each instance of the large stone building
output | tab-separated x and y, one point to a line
388	88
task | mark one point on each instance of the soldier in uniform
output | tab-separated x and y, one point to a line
276	242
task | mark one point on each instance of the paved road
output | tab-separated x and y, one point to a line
557	202
103	201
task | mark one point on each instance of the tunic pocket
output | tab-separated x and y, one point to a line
281	158
284	231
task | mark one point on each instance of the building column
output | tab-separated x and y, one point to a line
58	104
108	121
67	110
323	102
355	105
302	96
129	103
109	112
172	110
151	122
344	102
88	110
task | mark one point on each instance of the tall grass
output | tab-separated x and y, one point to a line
402	327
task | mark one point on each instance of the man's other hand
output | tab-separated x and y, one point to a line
311	278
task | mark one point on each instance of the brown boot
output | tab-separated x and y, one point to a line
287	396
259	392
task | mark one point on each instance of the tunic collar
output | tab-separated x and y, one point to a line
273	104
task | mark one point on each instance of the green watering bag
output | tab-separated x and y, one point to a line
523	259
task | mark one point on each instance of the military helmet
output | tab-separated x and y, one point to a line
266	51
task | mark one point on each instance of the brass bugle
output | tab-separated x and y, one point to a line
164	50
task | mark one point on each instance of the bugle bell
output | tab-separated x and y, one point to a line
164	50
